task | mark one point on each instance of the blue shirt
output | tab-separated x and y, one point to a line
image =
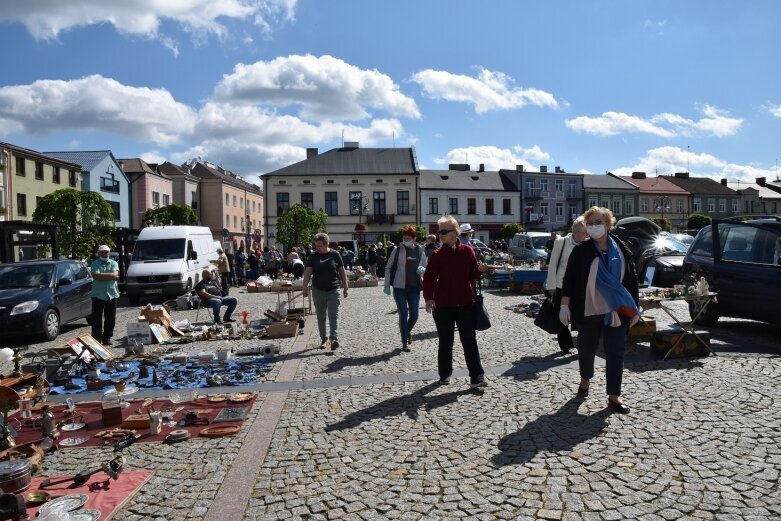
104	289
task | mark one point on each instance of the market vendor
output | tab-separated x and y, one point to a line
212	296
105	293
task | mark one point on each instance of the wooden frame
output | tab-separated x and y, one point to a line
96	347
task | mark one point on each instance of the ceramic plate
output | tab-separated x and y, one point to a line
240	397
73	426
72	442
85	515
217	398
71	502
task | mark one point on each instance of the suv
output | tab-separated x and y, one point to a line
738	260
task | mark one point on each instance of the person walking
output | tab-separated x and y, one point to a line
241	263
232	264
431	245
371	260
224	270
447	288
599	295
562	248
403	271
213	297
105	293
326	270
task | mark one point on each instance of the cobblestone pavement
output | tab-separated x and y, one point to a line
701	442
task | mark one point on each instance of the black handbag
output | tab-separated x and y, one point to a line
482	320
547	318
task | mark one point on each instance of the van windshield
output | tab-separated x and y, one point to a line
540	242
159	249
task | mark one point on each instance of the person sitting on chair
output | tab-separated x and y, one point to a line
212	296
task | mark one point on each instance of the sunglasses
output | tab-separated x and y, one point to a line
445	232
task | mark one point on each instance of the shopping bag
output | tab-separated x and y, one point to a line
482	320
547	318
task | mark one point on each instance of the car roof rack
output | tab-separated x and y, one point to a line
754	217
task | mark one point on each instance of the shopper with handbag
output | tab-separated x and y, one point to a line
560	252
447	288
403	271
600	287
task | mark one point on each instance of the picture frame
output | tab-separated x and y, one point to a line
96	347
160	333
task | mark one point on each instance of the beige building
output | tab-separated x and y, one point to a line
186	189
148	188
660	198
364	191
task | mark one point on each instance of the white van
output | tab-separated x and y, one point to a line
167	261
529	246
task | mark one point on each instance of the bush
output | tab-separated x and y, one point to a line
697	221
509	230
663	223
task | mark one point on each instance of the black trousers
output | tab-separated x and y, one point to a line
446	320
563	335
225	279
104	316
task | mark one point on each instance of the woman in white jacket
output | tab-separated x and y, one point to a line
562	248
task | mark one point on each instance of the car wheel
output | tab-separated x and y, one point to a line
51	324
708	318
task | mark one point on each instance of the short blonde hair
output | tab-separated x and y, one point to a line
445	219
579	225
602	211
322	237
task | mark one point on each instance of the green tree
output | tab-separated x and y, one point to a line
86	220
697	221
173	215
663	223
509	230
298	225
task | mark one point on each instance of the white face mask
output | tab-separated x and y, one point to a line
408	244
596	231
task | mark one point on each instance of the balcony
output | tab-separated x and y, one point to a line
575	194
380	218
532	193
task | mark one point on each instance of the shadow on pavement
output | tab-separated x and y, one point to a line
531	365
408	404
340	363
561	431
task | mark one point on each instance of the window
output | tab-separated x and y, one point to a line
616	207
227	220
166	199
530	187
471	205
507	206
573	189
559	185
629	207
356	203
234	201
735	206
21	204
235	222
722	205
592	203
241	203
433	205
253	206
108	184
696	204
452	204
227	200
402	202
560	212
283	202
573	212
711	205
331	206
39	170
543	185
56	175
72	177
679	206
20	166
544	210
605	203
489	206
116	208
379	203
308	200
155	198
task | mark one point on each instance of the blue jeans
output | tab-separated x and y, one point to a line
614	340
215	303
408	303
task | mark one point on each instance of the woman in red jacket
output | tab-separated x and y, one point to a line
447	289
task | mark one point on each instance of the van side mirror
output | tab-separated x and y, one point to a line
193	255
64	282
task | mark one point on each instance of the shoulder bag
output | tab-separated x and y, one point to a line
547	318
482	320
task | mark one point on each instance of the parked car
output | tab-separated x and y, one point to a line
529	246
480	247
736	258
38	297
657	255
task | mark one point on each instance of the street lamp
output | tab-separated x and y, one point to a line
359	204
661	204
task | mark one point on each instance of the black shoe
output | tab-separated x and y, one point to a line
334	344
218	321
582	393
228	319
444	381
620	408
478	381
106	342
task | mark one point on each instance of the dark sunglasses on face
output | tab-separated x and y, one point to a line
445	232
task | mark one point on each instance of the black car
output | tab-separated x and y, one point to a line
37	297
658	256
740	263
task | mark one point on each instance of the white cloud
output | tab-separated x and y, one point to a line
239	156
46	19
716	122
153	156
488	91
668	160
494	158
774	109
325	87
95	103
535	153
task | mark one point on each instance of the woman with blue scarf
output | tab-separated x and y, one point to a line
599	296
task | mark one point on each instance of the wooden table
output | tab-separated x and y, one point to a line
653	302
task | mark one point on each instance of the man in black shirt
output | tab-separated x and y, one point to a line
326	270
212	296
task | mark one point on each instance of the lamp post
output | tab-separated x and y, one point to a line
662	203
359	204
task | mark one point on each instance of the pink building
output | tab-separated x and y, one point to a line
149	188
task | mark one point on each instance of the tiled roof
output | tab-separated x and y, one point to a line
202	170
606	182
701	185
763	191
354	161
658	185
464	180
171	170
135	166
34	153
87	159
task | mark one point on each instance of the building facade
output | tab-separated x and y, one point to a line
659	198
551	200
186	189
706	196
757	198
149	188
610	191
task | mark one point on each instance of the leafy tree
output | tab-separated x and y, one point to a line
174	215
663	223
420	234
697	221
86	220
509	230
298	225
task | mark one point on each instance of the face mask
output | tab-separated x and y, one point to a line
595	231
408	244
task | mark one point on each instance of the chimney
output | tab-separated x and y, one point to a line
723	181
761	181
682	175
543	169
350	145
559	170
481	168
519	168
311	152
463	167
638	175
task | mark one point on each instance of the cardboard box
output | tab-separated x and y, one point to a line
139	331
360	283
136	421
662	341
263	289
252	287
372	283
350	284
643	330
282	330
157	315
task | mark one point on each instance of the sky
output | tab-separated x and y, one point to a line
660	86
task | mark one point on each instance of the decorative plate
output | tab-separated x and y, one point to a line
71	502
218	398
88	514
220	431
240	397
72	442
73	426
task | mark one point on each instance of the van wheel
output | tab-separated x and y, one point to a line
51	324
189	287
708	318
134	300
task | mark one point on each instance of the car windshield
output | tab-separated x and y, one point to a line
14	276
159	249
478	243
540	242
667	245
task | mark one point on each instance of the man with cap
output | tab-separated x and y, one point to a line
105	293
465	232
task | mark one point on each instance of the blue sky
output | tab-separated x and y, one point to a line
591	86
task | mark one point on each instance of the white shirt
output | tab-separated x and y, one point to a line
559	257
